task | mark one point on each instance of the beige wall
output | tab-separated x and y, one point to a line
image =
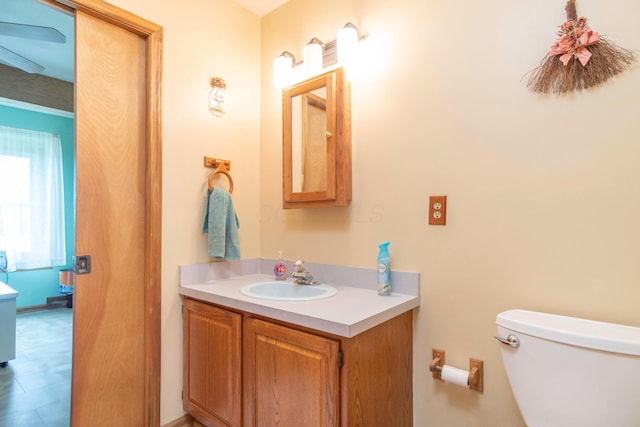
543	192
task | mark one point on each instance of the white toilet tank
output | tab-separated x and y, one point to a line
570	372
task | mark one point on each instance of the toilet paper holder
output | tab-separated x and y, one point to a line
475	379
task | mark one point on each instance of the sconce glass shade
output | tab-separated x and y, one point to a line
217	97
312	56
282	66
347	43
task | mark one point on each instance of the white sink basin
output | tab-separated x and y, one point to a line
287	291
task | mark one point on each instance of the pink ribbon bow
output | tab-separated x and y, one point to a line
574	38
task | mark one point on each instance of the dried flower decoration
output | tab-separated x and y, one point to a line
579	59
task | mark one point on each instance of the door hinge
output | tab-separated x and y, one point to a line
340	358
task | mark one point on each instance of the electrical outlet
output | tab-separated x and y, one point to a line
437	210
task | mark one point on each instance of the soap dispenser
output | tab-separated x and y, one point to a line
280	270
384	270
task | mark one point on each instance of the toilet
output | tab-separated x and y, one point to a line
571	372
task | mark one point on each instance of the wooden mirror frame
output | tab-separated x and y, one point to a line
338	134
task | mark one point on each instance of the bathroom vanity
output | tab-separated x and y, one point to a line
340	361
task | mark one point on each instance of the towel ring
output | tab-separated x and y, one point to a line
221	167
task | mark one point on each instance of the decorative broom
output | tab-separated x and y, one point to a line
579	59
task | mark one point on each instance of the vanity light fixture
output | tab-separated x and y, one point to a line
317	55
217	97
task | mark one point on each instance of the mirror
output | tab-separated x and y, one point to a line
309	152
317	142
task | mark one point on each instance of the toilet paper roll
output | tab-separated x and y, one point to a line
455	376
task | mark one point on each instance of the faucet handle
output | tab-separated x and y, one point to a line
299	266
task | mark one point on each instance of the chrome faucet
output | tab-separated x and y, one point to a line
301	276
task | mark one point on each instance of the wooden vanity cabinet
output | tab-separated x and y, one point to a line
291	378
212	364
295	376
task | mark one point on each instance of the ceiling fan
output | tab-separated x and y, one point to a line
26	31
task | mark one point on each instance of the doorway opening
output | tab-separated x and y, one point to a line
37	95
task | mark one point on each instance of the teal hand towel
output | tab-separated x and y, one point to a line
221	225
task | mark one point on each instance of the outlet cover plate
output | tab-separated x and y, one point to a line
437	210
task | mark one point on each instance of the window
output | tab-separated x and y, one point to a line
31	199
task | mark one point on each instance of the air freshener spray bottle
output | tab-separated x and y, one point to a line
384	271
280	270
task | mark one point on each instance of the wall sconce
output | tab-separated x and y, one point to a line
316	56
217	97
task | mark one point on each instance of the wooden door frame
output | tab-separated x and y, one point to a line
153	35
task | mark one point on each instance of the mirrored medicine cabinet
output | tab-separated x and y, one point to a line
316	137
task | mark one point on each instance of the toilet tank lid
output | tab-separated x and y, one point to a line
575	331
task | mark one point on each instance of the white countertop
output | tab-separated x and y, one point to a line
6	292
351	311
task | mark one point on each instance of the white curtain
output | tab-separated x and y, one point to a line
31	199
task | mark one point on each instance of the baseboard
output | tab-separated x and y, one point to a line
31	308
52	302
184	421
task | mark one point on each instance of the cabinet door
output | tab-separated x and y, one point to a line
212	364
291	377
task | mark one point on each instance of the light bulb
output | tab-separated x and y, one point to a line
282	69
312	54
347	43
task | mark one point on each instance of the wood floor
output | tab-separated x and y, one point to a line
35	388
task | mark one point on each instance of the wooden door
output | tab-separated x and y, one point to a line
291	377
116	328
212	364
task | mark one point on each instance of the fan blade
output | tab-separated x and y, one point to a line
18	61
34	32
